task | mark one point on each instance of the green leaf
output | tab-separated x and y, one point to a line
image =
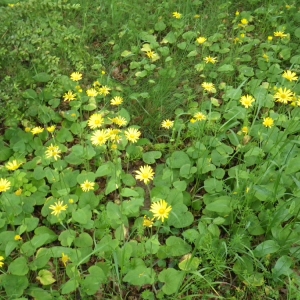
172	280
226	68
169	38
14	285
297	32
140	276
92	283
70	286
19	267
177	246
282	266
189	263
222	205
151	156
180	185
42	77
178	159
67	237
182	45
160	26
45	277
80	216
265	248
180	217
83	240
213	185
30	94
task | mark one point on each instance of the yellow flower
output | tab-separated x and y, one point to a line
99	137
69	96
244	22
291	76
196	16
27	129
209	87
57	208
247	101
145	174
147	222
71	201
177	15
13	165
150	53
1	262
132	135
87	186
113	134
18	238
96	83
280	34
76	76
160	210
51	128
120	121
266	57
37	130
245	130
95	121
104	90
103	72
18	192
53	151
237	41
167	124
199	116
210	59
268	122
193	120
270	38
284	95
201	40
237	13
116	101
65	258
4	185
91	92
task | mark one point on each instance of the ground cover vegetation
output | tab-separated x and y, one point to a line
149	150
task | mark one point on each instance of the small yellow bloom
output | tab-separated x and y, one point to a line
161	210
284	95
268	122
193	120
147	222
103	72
13	165
177	15
99	137
1	262
242	35
27	129
57	208
247	101
92	92
87	186
167	124
4	185
290	76
245	130
209	87
53	151
71	201
96	83
145	173
116	101
132	135
69	96
201	40
280	34
18	238
51	128
210	59
196	16
18	192
104	90
244	22
199	116
95	121
65	258
150	53
37	130
270	38
76	76
266	57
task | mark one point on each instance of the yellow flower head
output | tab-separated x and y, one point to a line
160	210
104	90
167	124
150	54
244	22
92	92
18	192
199	116
120	121
69	96
266	57
280	34
268	122
290	76
147	222
27	129
53	151
245	130
57	208
247	101
87	186
1	262
37	130
51	128
132	135
284	95
209	87
116	101
193	120
18	238
76	76
211	60
13	165
270	38
95	121
145	174
113	134
177	15
65	258
4	185
201	40
99	137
